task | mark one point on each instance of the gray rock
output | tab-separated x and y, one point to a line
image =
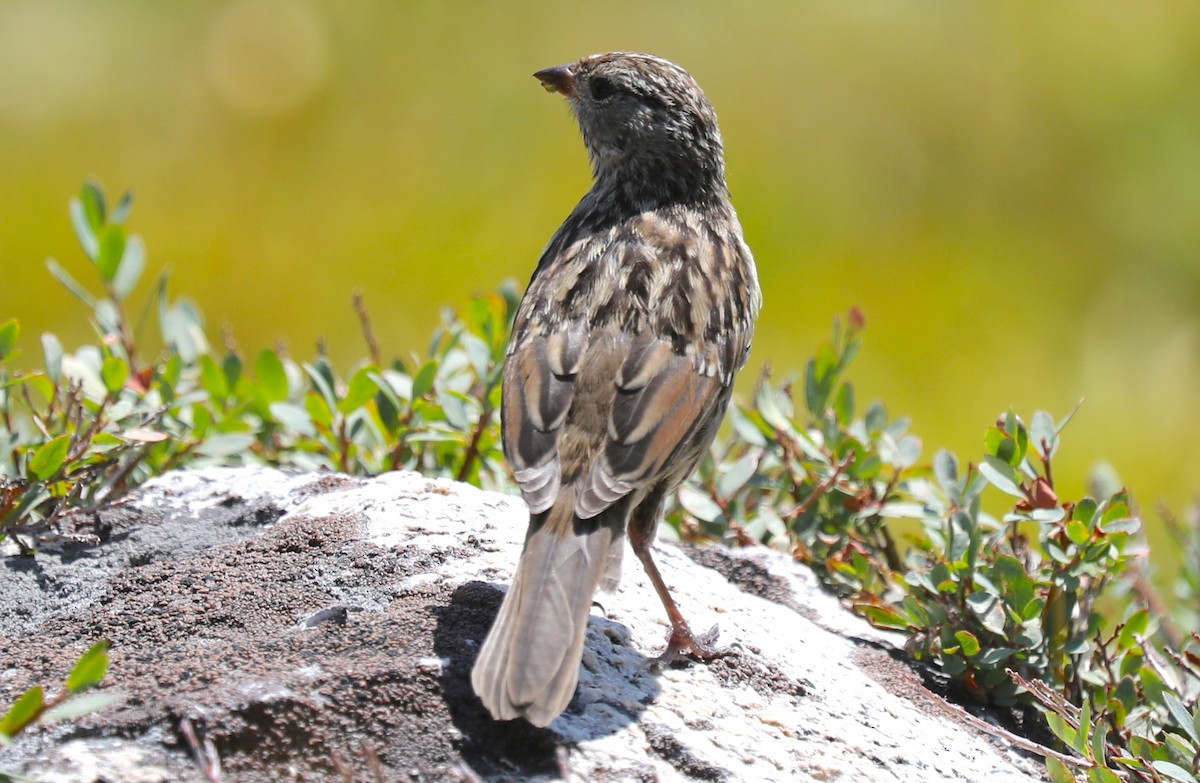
320	627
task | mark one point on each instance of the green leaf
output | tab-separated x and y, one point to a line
1102	774
745	427
114	372
92	199
294	418
1062	729
133	263
990	610
272	378
1173	771
908	451
121	211
23	712
1181	716
53	350
49	457
968	641
903	511
1001	475
423	380
1070	415
953	664
1124	525
1059	772
225	444
212	379
1042	428
1099	741
170	372
735	476
1134	627
359	391
84	231
995	656
1085	728
79	706
997	443
231	365
321	375
699	505
387	403
767	401
112	250
817	380
1084	510
454	408
90	669
70	283
318	408
882	617
876	417
945	467
1078	532
9	332
843	404
1178	749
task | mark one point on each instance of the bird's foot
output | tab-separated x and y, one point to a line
683	645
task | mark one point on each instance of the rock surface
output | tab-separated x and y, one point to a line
320	627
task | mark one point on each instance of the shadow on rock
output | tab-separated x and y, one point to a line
615	685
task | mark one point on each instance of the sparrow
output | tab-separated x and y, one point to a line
620	366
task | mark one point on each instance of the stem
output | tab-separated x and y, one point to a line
364	318
821	488
1158	608
1046	463
1017	740
343	447
124	334
472	454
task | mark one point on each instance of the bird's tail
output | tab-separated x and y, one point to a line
529	664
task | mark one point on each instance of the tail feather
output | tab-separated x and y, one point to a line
529	664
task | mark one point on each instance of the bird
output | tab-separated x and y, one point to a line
619	368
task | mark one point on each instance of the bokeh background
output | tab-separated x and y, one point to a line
1009	190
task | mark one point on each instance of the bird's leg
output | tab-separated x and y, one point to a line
682	642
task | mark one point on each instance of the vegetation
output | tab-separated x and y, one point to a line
95	423
33	707
1046	603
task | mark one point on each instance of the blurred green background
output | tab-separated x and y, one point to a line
1009	190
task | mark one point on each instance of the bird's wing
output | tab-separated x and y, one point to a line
663	406
539	385
608	403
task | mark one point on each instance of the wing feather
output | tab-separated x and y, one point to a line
614	392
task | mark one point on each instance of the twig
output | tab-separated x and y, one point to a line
472	454
1008	736
1045	455
364	318
821	488
204	753
373	762
1158	609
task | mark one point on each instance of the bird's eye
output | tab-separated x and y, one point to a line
601	88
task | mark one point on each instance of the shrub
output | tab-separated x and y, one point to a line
94	423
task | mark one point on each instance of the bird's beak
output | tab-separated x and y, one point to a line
557	79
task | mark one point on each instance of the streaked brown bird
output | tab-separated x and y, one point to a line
622	360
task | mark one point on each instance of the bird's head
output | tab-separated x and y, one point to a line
644	120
